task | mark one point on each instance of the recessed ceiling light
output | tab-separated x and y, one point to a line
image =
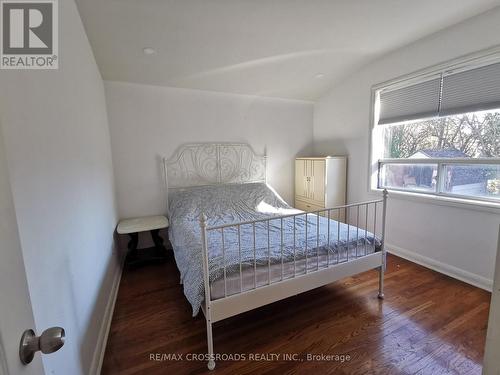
149	51
319	75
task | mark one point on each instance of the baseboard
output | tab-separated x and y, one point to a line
452	271
102	339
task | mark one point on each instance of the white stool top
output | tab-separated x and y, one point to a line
141	224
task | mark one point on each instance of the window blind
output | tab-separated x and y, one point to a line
472	90
413	102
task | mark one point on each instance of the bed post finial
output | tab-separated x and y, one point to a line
203	220
385	193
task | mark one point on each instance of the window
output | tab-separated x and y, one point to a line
440	134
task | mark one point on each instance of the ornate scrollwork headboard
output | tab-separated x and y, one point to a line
201	164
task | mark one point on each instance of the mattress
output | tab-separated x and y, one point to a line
275	244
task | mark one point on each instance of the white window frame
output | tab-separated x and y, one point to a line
439	197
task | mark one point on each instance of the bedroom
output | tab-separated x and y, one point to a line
92	141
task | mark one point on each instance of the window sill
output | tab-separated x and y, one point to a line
468	204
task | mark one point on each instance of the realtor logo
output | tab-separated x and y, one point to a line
29	37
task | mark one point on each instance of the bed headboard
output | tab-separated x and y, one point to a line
200	164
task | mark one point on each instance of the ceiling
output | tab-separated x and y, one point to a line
257	47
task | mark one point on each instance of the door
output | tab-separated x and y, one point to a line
317	185
16	314
301	184
491	358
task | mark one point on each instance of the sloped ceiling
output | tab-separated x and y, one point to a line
257	47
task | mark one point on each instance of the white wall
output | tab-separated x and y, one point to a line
148	123
58	153
456	240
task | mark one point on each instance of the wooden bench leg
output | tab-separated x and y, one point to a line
158	241
132	245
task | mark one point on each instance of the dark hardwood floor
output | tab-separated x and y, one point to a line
427	324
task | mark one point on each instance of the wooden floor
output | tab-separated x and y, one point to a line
427	324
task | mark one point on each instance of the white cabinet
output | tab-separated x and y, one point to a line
320	182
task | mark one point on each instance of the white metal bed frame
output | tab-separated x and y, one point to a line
225	163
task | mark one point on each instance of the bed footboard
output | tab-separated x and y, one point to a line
332	256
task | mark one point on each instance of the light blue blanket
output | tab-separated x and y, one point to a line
226	204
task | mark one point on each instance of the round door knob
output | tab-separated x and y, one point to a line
50	341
